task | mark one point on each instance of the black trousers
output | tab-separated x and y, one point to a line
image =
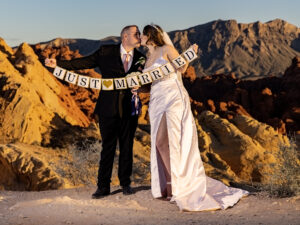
113	129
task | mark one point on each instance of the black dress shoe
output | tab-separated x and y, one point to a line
101	192
127	190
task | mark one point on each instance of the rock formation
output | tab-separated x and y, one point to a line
246	148
85	98
34	105
272	100
23	169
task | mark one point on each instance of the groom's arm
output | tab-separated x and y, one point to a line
86	62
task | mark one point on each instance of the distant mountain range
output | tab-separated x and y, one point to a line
249	50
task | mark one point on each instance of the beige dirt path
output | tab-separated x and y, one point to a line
75	206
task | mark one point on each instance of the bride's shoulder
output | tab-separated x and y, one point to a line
168	48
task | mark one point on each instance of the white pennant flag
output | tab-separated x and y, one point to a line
132	81
167	69
95	83
156	74
59	72
145	78
83	81
190	54
179	62
71	77
120	83
107	84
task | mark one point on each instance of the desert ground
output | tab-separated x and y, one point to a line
75	206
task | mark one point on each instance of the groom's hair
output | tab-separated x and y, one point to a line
126	29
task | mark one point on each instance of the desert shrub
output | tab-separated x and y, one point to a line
285	179
85	163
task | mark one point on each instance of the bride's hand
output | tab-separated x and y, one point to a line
195	48
50	62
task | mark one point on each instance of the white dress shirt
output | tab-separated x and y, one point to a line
123	52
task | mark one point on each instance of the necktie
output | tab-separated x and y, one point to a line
126	61
126	58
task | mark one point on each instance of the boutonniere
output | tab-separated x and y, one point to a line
141	61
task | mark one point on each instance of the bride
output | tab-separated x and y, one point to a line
177	171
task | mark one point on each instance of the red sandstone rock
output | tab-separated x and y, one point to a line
270	100
85	98
190	73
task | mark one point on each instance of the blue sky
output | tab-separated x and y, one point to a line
34	21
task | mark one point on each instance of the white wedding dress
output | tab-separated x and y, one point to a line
170	115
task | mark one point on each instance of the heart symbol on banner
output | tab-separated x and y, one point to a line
107	83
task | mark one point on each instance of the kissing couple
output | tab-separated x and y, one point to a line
177	172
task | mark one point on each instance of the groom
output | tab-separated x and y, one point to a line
113	107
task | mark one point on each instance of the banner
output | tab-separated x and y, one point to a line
135	79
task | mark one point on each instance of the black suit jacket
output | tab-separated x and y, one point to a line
108	59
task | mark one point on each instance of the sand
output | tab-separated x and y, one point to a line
75	206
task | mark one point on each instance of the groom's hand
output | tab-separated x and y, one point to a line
50	62
145	88
134	90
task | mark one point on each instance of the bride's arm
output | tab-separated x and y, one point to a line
172	54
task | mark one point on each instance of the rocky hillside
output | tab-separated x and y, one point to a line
249	50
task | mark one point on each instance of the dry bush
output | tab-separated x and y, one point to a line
285	179
85	163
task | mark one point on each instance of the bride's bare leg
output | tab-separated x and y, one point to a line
162	147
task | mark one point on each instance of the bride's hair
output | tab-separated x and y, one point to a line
154	34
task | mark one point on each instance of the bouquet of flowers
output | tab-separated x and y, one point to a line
136	104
